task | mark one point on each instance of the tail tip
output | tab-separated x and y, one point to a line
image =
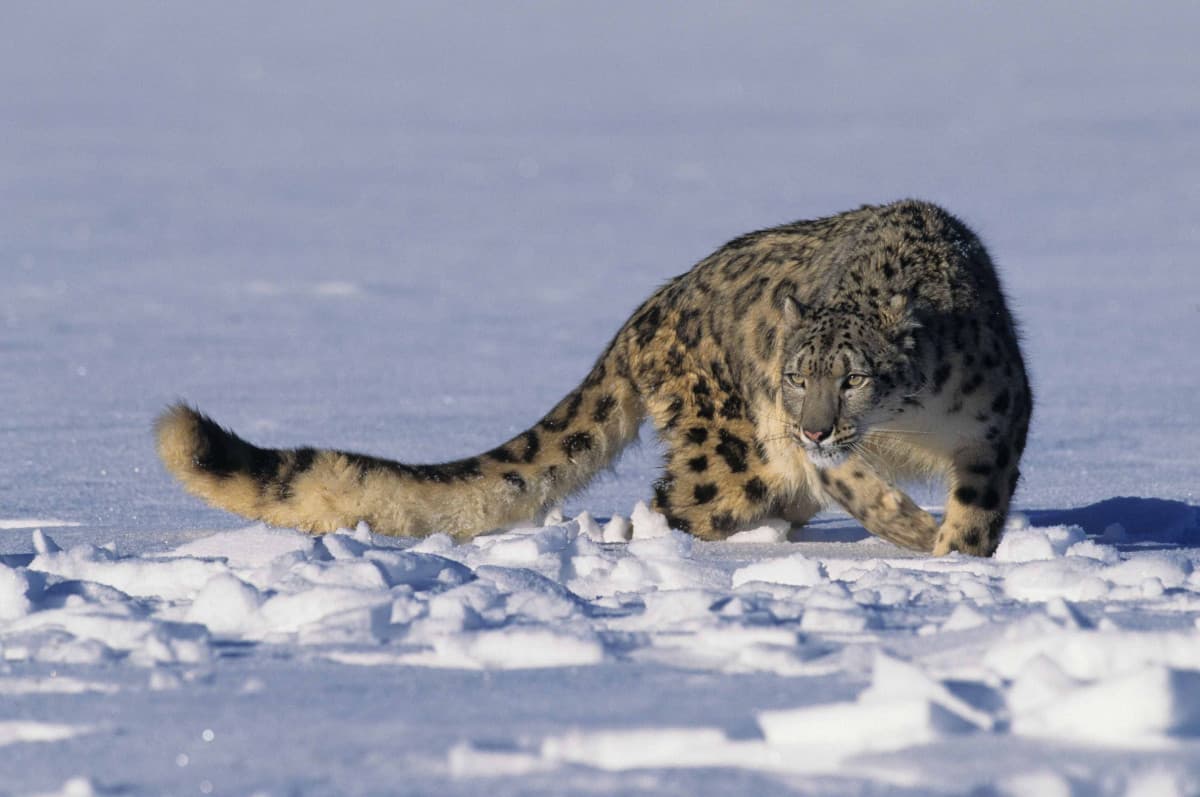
178	436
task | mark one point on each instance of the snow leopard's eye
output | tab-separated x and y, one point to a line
794	379
855	381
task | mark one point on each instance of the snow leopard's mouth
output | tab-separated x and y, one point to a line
825	455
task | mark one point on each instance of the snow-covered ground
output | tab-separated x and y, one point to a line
408	229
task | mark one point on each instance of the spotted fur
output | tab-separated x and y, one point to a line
813	362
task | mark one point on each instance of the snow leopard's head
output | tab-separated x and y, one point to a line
845	369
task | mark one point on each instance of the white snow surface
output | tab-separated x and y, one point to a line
408	230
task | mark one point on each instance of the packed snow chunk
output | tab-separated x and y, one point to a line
514	549
421	571
885	595
173	643
670	545
728	648
90	634
1145	705
545	549
1031	544
1066	615
647	523
339	546
831	595
1094	550
862	726
639	748
672	609
661	563
629	574
253	546
1092	655
795	570
830	608
463	608
287	614
789	662
225	605
772	530
583	568
14	593
834	621
354	574
173	579
163	679
18	731
1041	681
52	645
1044	783
1171	571
359	625
894	679
617	529
360	533
531	595
1073	579
741	637
438	543
524	648
43	543
79	786
511	648
963	617
589	527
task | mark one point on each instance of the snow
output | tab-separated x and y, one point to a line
1027	545
997	656
409	231
797	570
1132	708
12	732
33	523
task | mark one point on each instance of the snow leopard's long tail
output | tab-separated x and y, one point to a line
321	490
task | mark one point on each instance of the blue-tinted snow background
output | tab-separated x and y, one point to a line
408	229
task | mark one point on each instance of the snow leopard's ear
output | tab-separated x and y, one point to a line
899	320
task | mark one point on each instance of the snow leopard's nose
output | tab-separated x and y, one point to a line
816	435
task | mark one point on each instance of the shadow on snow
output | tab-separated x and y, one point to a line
1142	522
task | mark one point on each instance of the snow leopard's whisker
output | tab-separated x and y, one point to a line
870	457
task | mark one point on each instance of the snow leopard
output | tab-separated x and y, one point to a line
814	363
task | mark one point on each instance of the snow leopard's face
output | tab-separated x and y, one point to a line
844	371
